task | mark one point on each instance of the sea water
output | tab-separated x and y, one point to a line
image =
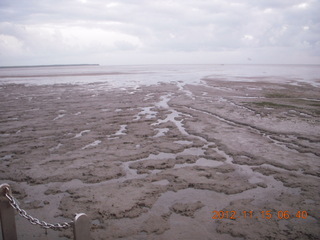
137	75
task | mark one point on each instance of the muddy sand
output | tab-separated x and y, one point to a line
157	162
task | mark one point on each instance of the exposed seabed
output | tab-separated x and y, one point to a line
154	162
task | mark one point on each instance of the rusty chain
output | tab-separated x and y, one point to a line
31	219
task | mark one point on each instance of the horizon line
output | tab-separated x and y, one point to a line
97	64
50	65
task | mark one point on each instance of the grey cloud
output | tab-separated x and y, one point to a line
159	25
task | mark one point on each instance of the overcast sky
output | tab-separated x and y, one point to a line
159	31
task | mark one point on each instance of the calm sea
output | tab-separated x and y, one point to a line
134	76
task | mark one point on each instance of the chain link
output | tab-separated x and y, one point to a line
34	220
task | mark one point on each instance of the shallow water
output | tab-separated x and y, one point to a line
134	76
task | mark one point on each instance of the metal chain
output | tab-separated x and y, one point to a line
34	220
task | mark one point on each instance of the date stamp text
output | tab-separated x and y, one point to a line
259	214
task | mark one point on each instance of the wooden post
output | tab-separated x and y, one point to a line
8	224
81	228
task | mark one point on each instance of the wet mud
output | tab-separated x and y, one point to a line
156	162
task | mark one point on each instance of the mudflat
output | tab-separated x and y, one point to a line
217	160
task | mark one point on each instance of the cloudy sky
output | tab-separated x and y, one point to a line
159	31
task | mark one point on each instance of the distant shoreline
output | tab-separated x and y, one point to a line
214	64
52	65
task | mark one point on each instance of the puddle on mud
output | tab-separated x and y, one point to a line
121	131
200	162
81	133
183	142
161	132
93	144
146	112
